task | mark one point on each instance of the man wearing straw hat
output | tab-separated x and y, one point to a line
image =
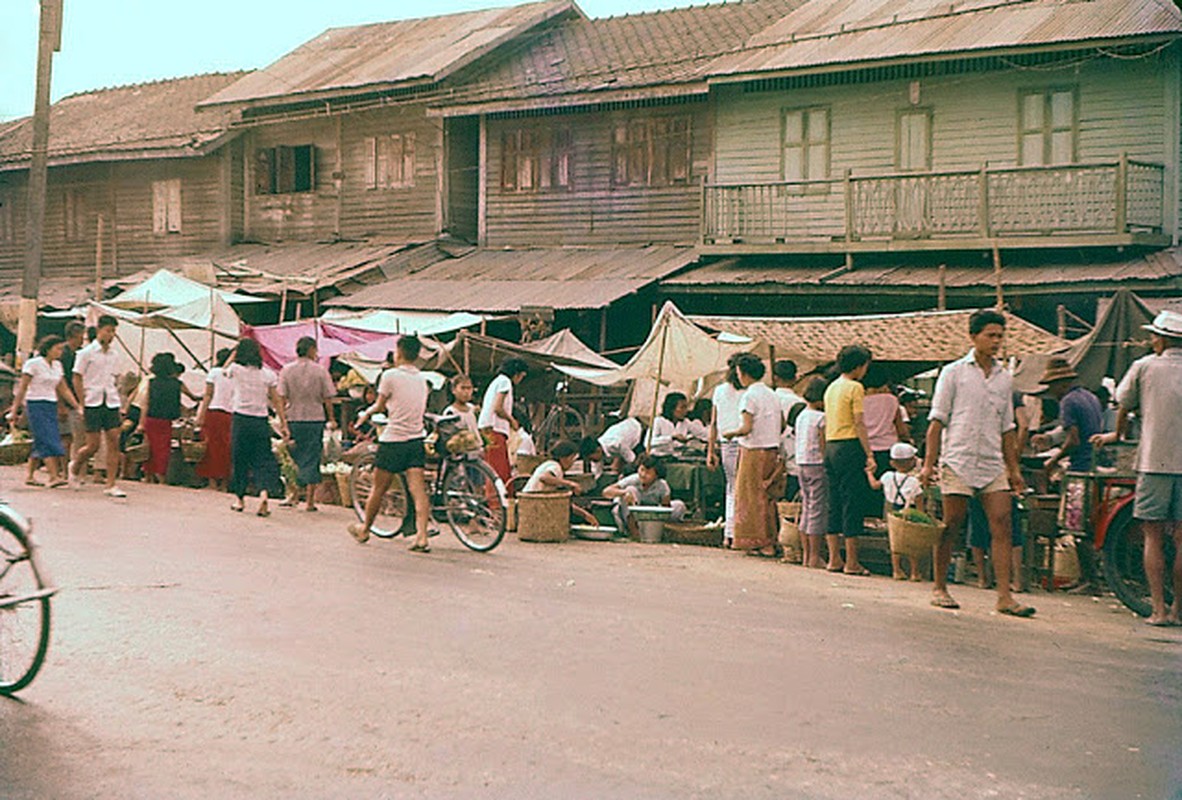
973	438
1153	388
1080	417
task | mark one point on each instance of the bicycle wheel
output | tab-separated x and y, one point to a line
396	508
474	499
563	422
24	611
1124	563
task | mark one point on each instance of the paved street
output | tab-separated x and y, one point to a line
198	653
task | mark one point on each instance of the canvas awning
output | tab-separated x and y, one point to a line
166	289
423	323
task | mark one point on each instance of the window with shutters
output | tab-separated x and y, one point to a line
166	207
73	214
1048	126
390	161
285	169
913	140
652	152
536	159
7	224
806	144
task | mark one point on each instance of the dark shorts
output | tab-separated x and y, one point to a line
101	418
398	457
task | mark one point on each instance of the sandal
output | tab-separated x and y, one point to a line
58	484
1017	610
859	573
944	601
238	507
420	548
37	484
263	512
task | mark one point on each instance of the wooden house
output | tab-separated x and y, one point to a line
860	148
135	176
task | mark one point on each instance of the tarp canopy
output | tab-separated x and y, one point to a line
166	289
278	342
914	341
481	356
565	344
423	323
1113	344
192	332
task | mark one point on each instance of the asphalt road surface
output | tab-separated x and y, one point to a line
204	654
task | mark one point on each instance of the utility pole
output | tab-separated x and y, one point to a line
49	41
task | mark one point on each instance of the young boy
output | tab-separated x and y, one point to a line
646	488
901	487
550	477
809	444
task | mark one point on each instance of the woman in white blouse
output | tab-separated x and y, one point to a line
760	479
725	416
41	386
670	429
250	435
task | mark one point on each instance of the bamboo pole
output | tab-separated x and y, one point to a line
942	288
997	276
657	385
143	335
98	260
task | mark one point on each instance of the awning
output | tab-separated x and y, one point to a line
423	323
505	281
167	290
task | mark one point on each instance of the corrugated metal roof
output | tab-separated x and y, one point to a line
608	55
388	54
923	337
144	120
733	274
830	33
504	281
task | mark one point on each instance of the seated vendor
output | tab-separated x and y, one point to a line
621	443
590	456
550	477
670	429
697	424
646	488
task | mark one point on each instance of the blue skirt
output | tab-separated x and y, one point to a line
47	439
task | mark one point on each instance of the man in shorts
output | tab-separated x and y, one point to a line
74	429
973	438
96	371
1153	388
402	392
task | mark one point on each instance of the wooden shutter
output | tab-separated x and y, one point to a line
620	155
408	160
284	169
509	160
174	205
680	156
371	162
264	170
385	150
160	207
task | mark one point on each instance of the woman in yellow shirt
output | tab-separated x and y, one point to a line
847	458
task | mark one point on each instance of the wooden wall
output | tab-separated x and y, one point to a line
122	193
593	211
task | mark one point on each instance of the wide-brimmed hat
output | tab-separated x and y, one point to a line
1058	369
1167	323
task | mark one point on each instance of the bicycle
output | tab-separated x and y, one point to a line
24	604
464	491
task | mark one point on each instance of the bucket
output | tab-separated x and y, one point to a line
650	531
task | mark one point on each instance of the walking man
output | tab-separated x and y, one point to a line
74	431
96	371
307	390
402	392
973	438
1153	388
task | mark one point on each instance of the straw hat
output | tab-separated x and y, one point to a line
1058	369
1167	323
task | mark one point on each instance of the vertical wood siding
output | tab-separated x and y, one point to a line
295	216
593	211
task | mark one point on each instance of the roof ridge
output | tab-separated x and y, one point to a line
677	9
233	73
470	12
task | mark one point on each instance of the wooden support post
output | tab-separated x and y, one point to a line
942	288
1061	312
98	260
1122	194
997	277
849	207
983	202
771	363
657	385
283	306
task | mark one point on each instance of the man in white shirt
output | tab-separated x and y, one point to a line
96	370
402	392
973	438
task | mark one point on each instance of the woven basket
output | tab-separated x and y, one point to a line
789	536
914	539
543	516
527	464
15	453
138	453
193	451
342	478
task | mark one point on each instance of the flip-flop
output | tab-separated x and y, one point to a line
831	569
420	548
37	484
239	509
1161	623
761	554
862	573
263	512
1017	610
58	484
944	602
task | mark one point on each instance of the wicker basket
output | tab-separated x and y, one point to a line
342	478
193	451
915	539
543	516
789	537
15	453
138	453
527	464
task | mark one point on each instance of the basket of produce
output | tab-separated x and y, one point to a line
15	448
464	442
789	536
913	532
193	450
138	452
340	472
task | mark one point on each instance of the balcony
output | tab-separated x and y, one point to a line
1077	205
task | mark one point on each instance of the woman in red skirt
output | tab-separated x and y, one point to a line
213	418
160	408
496	415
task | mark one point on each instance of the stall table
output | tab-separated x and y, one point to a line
702	489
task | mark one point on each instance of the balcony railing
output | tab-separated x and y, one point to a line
1110	200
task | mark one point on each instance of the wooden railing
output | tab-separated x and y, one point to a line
1114	198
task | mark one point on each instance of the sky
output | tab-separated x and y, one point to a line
116	42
